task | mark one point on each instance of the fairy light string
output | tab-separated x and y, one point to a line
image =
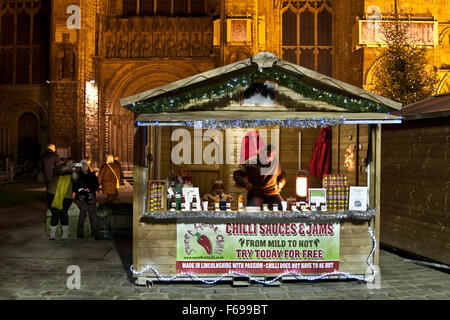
298	276
176	102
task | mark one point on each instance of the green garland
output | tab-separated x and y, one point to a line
173	104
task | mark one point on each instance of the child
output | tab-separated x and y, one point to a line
217	189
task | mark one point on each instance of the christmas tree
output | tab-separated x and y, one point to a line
402	72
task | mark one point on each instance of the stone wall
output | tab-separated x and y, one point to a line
63	117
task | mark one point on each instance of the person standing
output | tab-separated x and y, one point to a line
89	161
85	187
59	197
117	162
263	178
48	162
109	178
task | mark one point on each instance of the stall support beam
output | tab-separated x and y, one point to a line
378	193
139	178
375	187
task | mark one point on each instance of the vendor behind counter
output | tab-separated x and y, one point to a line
262	177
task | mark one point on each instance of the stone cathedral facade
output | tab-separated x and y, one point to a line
64	64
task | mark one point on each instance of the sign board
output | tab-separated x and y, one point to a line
272	248
358	199
369	33
239	30
317	195
63	152
190	193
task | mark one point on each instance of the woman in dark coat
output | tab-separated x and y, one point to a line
85	187
109	178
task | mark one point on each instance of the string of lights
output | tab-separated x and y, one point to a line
174	103
298	276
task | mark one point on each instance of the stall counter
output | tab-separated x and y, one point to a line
261	246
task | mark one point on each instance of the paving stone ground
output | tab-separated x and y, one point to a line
32	267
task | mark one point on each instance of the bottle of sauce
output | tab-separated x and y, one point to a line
217	203
183	203
178	201
173	203
223	203
240	203
194	204
228	204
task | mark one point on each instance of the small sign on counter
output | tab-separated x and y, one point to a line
358	198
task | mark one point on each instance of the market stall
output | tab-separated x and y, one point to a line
196	133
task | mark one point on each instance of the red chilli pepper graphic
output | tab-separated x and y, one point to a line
204	242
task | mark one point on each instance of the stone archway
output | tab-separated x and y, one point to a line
16	124
118	133
28	147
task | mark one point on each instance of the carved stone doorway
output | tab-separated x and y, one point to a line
128	80
28	140
120	130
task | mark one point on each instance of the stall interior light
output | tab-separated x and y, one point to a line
302	184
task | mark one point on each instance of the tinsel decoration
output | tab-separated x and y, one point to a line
177	102
313	216
247	123
267	282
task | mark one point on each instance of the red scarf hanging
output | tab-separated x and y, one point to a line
320	162
250	145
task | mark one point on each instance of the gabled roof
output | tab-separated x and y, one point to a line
264	61
433	107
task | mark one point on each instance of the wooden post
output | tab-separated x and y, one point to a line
377	192
158	153
375	187
136	193
139	180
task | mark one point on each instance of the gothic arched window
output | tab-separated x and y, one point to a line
307	34
23	53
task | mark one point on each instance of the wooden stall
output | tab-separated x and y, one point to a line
204	120
415	181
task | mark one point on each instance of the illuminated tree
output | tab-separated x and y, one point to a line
402	72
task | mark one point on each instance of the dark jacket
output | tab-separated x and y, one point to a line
107	178
59	172
86	181
264	183
48	162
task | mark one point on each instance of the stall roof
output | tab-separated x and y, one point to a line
304	94
433	107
